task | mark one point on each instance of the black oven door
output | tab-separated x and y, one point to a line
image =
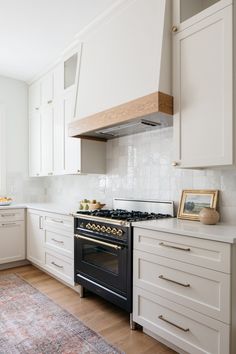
102	262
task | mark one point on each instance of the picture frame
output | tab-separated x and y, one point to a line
192	201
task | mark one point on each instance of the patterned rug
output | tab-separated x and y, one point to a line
31	323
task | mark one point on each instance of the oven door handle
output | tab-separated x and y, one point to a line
98	241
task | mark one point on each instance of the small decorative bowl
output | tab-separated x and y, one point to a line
6	203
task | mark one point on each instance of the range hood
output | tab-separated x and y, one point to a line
130	92
145	113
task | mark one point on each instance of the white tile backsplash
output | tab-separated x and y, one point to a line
139	166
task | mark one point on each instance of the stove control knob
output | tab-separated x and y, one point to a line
98	228
103	228
93	227
114	231
88	226
119	233
108	230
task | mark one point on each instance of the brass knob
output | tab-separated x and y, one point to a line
93	227
103	228
174	29
119	232
175	163
98	227
88	226
108	230
114	231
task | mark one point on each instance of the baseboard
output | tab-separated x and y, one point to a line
14	264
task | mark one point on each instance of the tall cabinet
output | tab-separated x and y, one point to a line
51	109
203	83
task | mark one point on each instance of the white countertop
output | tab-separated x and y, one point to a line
220	232
47	207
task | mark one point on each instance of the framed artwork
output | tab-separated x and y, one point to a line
192	201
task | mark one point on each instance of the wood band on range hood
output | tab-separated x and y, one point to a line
156	102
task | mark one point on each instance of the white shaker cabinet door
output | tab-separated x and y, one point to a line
35	144
72	145
58	137
47	140
203	92
35	238
12	241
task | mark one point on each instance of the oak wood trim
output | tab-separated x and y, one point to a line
143	106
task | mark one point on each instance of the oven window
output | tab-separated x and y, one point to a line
102	257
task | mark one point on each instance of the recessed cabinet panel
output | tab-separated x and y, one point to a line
72	145
47	140
203	75
35	144
12	241
59	137
35	238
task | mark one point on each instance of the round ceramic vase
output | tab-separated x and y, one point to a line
209	216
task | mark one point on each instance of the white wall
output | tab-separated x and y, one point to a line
14	95
139	166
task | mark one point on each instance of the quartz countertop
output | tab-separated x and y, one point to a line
47	207
220	232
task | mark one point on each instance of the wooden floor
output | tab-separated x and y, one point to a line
101	316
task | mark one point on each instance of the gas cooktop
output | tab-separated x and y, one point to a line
125	215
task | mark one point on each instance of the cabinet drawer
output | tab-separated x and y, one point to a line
60	243
12	215
60	266
200	289
187	329
209	254
59	222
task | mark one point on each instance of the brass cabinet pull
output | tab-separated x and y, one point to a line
99	242
50	101
174	281
53	239
173	324
175	247
56	265
7	215
9	224
58	221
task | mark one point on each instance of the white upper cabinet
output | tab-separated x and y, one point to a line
203	92
58	137
52	151
122	57
35	144
47	140
72	145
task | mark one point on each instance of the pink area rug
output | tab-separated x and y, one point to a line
31	323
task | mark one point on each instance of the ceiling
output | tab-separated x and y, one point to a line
33	33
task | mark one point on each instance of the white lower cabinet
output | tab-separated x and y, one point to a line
12	235
50	240
178	295
35	237
188	330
